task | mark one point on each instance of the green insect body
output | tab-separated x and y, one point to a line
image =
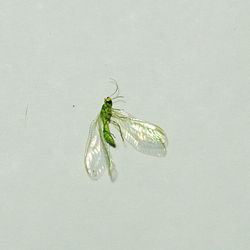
106	114
145	137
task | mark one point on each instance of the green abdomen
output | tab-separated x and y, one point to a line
107	136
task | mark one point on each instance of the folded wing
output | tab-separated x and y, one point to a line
97	155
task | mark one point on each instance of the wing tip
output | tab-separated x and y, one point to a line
113	174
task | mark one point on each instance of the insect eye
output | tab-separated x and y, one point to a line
109	101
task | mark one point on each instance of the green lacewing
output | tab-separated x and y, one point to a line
145	137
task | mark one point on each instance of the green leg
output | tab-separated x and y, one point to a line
119	128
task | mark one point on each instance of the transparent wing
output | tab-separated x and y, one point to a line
145	137
97	156
110	164
95	160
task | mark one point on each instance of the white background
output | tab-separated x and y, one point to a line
181	64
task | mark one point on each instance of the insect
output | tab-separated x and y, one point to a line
143	136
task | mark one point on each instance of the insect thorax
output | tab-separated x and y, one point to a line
106	112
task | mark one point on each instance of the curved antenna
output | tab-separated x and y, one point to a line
117	88
117	97
119	101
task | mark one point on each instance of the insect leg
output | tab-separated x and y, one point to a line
116	109
119	128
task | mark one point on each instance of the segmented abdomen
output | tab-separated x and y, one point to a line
107	136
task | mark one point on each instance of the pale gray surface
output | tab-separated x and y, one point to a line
181	64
